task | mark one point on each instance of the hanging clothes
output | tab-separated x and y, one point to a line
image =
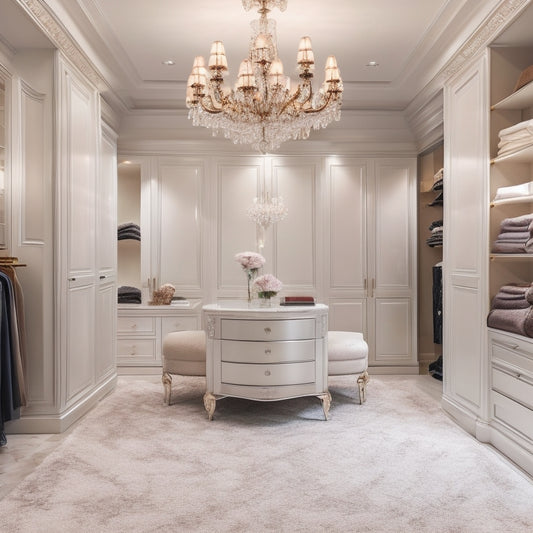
12	348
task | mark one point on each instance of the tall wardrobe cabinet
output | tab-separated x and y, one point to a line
371	240
63	227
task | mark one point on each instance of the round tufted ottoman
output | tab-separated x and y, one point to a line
183	354
348	354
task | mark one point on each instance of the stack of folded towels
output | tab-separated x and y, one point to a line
518	136
436	234
512	310
514	192
516	236
129	295
129	230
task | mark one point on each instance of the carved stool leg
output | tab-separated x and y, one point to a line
362	380
166	379
210	403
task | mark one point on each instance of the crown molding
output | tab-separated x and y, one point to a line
426	109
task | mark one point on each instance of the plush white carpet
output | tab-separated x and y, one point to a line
397	464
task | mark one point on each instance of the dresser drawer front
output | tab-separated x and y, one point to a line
141	348
512	352
268	352
268	375
178	323
136	325
513	385
268	330
512	414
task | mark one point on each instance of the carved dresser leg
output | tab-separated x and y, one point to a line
166	379
326	403
210	403
362	380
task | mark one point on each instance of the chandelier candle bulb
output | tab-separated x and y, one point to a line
263	109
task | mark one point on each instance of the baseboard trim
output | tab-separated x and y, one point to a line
58	423
511	449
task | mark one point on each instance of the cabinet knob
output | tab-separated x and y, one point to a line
267	372
268	330
268	351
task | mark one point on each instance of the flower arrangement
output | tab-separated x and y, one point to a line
250	262
267	286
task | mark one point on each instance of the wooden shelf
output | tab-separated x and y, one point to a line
518	100
517	200
511	257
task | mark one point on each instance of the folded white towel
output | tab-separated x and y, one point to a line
514	191
526	125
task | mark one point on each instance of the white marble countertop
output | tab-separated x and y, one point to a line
255	306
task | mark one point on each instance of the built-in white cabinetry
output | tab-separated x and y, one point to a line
371	256
141	330
62	226
349	238
488	382
465	256
86	200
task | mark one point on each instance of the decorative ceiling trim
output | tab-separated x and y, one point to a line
486	33
61	38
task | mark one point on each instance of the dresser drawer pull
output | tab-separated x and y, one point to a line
268	351
511	346
268	330
267	372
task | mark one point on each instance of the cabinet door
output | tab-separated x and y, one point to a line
392	263
466	165
78	153
105	343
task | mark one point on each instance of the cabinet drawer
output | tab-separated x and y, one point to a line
513	352
268	352
268	330
268	375
137	325
512	414
178	323
142	348
513	385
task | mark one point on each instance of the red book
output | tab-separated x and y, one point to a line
297	300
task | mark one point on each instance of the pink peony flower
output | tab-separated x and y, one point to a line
250	260
267	285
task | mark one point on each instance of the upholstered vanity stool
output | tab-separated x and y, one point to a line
184	355
348	354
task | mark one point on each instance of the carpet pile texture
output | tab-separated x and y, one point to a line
395	464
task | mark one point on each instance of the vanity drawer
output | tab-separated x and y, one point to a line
268	375
178	323
136	325
512	414
136	348
268	330
268	352
513	385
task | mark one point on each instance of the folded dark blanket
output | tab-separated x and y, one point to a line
435	224
509	247
523	220
519	321
508	303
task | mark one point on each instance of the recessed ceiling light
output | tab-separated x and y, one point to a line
372	64
168	62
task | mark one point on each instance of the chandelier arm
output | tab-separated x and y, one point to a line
311	110
213	109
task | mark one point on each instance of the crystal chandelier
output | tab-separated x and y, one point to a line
263	109
264	212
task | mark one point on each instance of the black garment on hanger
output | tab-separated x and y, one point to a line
10	399
437	304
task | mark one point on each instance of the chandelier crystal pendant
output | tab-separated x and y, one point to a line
266	211
264	108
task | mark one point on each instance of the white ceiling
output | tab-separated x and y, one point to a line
128	40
